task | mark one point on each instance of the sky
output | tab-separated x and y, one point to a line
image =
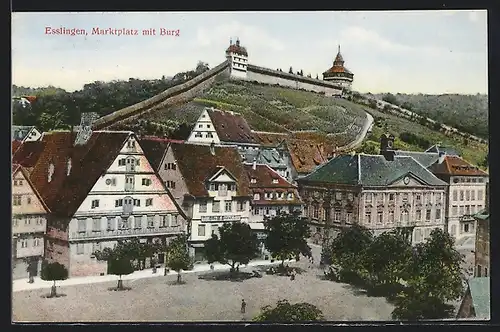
430	52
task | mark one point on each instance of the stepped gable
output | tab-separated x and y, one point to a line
371	170
197	164
154	148
231	127
28	154
306	155
270	139
65	193
453	166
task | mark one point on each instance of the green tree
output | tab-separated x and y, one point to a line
120	266
390	98
119	259
287	235
237	245
178	258
286	312
53	272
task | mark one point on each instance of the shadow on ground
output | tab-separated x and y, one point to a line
226	276
48	296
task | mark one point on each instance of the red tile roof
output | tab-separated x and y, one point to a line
28	153
270	139
231	127
154	150
15	145
65	193
14	168
453	165
237	49
197	164
306	155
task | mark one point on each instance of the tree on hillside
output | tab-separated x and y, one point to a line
287	235
178	258
53	272
434	279
286	312
291	70
237	245
391	99
202	67
317	77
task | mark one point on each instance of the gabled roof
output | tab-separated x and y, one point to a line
484	214
231	127
18	168
15	145
480	293
454	166
65	193
437	148
154	150
371	170
197	164
425	158
28	153
264	176
268	156
306	155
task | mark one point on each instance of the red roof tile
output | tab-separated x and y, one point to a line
15	145
237	49
306	155
264	176
154	150
270	139
28	153
453	165
65	193
231	127
197	164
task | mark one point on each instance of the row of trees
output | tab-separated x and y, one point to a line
421	280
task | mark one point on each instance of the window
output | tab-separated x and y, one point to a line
79	249
338	196
405	216
256	196
17	200
201	230
472	195
268	210
337	215
315	212
405	197
118	202
200	126
485	271
253	180
111	224
137	202
229	206
461	210
174	222
96	224
350	196
39	221
240	206
418	215
24	243
368	217
391	197
280	195
151	222
216	206
233	187
368	198
348	218
209	135
473	209
170	184
202	207
95	204
428	215
290	196
27	221
455	195
149	201
146	182
121	162
391	217
138	222
96	246
467	209
418	198
466	228
275	181
467	195
479	195
198	135
82	225
461	195
222	190
164	221
130	144
28	200
438	214
36	242
454	210
171	166
380	217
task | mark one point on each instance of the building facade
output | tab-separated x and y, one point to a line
237	56
110	193
277	158
380	192
25	133
29	225
210	184
482	245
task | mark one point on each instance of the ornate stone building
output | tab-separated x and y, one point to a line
339	74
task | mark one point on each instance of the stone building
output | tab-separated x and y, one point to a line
338	73
100	188
380	192
482	245
29	225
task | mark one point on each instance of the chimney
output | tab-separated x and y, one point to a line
254	164
212	148
441	157
237	42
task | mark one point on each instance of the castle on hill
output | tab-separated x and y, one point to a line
336	79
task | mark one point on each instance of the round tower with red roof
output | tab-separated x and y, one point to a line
238	58
339	74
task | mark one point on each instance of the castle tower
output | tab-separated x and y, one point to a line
238	58
339	74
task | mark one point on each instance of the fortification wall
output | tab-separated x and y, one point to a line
177	94
269	76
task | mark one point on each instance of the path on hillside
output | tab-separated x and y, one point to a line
362	134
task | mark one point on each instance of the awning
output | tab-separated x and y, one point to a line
257	226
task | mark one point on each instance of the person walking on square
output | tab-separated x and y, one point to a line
243	306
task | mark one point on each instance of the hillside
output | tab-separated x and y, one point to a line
468	113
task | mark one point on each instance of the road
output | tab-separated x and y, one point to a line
362	135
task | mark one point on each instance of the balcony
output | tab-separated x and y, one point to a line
122	233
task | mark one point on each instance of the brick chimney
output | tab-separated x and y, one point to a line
387	146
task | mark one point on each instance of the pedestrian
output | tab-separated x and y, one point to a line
243	306
211	267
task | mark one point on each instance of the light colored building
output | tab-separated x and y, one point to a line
28	225
209	182
466	195
380	192
482	245
25	133
100	188
237	56
338	73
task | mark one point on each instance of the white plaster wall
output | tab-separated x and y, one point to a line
206	127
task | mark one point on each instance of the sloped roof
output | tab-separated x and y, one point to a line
236	48
447	150
15	145
453	165
370	170
484	214
28	153
231	127
154	150
425	158
480	293
270	139
267	156
306	155
264	176
197	164
65	193
18	168
20	132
